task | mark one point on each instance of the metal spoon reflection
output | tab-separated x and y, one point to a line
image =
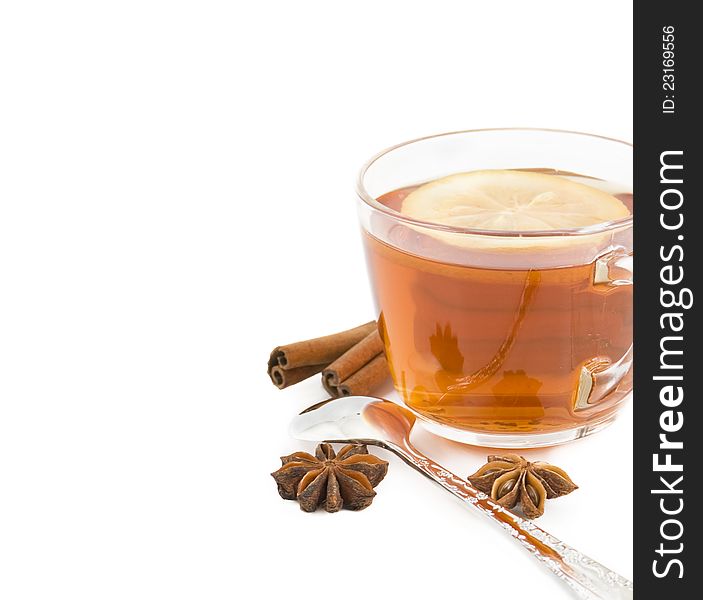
368	420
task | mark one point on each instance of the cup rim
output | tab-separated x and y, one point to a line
538	233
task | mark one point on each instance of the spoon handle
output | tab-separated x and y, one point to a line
586	577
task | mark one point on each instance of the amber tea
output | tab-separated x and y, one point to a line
526	329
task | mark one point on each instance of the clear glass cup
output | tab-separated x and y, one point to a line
508	339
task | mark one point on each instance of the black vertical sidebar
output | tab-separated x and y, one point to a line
668	261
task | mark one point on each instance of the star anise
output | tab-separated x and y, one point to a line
333	481
510	479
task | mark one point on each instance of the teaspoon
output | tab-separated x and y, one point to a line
368	420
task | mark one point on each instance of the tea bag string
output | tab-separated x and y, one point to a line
491	368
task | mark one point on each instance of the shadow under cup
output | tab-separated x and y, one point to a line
505	339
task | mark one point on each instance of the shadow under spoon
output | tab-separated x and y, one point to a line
368	420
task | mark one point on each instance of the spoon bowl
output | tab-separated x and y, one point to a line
362	419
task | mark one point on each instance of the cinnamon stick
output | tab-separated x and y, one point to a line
351	361
282	378
366	379
292	363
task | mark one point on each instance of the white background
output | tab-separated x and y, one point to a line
176	198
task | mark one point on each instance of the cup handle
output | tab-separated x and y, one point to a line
599	376
613	269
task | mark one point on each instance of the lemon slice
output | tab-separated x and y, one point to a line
511	201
